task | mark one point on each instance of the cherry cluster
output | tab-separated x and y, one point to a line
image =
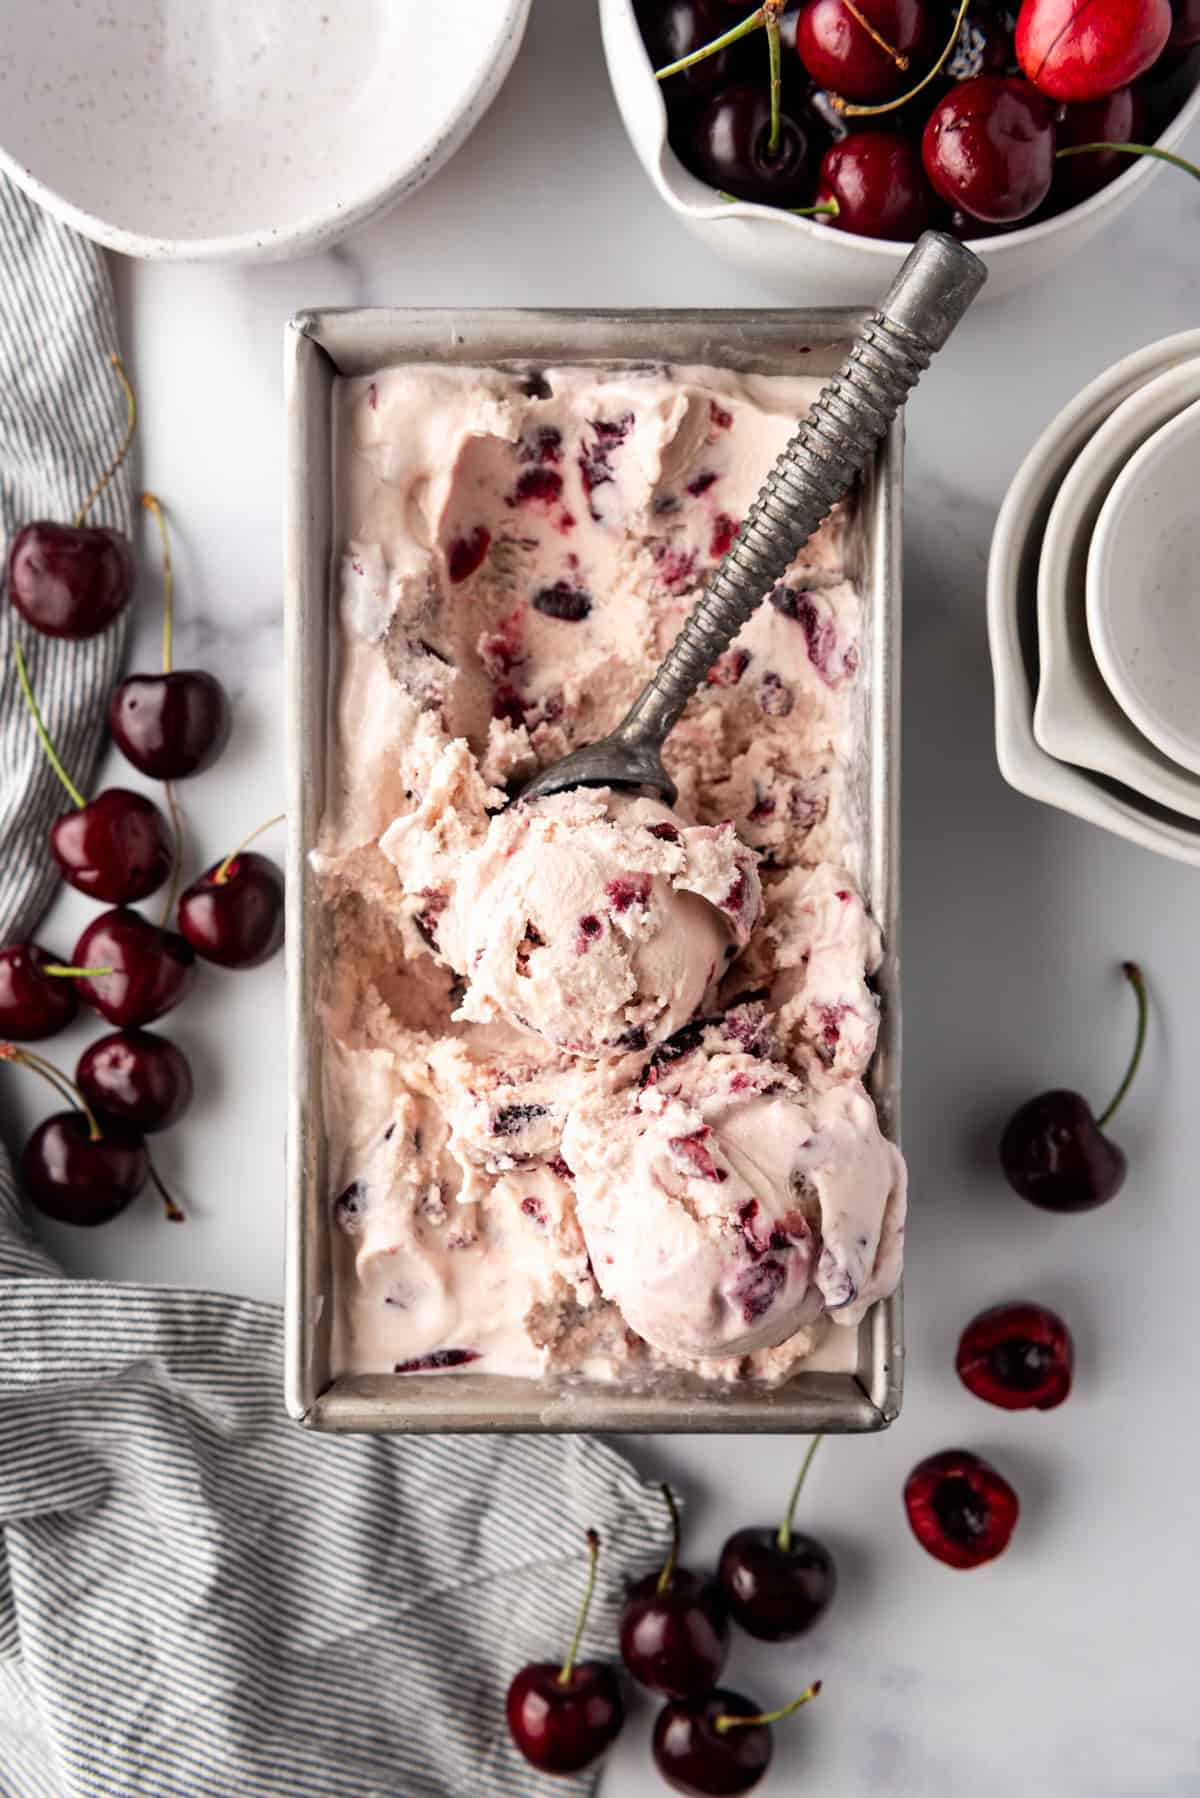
84	1165
775	1583
885	117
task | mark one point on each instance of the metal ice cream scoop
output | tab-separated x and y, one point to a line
936	284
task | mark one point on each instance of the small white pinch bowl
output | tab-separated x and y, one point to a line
808	262
217	129
1076	718
1143	589
1012	618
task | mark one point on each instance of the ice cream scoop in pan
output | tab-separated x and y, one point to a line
830	447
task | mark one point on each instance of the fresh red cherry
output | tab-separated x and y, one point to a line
1185	25
1115	119
730	146
1081	49
778	1582
563	1718
877	182
989	148
233	914
862	49
33	1003
674	1629
72	580
1019	1357
150	969
116	847
135	1079
1054	1150
672	29
174	724
960	1509
72	1169
718	1745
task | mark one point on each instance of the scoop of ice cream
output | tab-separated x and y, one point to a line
727	1202
596	920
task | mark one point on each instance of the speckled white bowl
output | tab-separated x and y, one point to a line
240	129
809	262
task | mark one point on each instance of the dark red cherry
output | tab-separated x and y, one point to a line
672	29
562	1718
729	147
718	1745
778	1581
70	1175
170	725
1019	1357
33	1004
961	1510
1185	25
1115	119
1054	1150
117	847
152	969
234	913
135	1079
70	580
989	148
1079	50
844	56
877	182
674	1628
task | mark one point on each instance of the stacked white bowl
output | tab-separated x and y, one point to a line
1094	605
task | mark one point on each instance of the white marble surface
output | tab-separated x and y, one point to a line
1068	1669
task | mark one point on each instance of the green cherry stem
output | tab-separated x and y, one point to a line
869	112
772	24
568	1666
783	1540
1136	979
1176	162
65	973
39	726
668	1569
826	208
122	452
222	873
54	1077
756	18
153	504
724	1724
174	1214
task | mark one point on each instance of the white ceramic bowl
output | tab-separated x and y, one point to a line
1076	717
1143	584
225	128
809	262
1012	618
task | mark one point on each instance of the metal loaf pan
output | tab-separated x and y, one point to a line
865	1393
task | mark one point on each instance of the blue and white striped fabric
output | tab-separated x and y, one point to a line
196	1597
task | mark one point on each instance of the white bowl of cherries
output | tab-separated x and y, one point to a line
971	115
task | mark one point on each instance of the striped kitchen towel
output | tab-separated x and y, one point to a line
196	1596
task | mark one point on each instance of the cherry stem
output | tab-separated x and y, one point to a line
177	855
756	18
56	968
783	1540
66	1089
174	1214
868	112
723	1725
772	23
1176	162
826	208
39	726
126	444
568	1666
901	61
153	504
668	1571
1134	976
222	873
